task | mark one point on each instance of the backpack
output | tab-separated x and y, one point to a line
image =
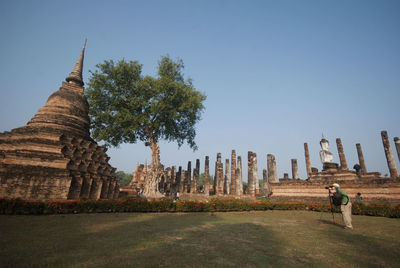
337	198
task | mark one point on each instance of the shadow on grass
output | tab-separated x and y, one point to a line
262	239
140	240
331	222
363	250
196	240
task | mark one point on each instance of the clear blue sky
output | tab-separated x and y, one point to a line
276	73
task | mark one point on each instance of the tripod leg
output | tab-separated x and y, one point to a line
330	203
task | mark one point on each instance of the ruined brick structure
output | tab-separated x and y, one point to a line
53	156
372	186
139	177
170	180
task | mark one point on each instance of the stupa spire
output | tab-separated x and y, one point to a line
76	75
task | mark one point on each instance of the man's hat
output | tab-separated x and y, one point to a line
336	185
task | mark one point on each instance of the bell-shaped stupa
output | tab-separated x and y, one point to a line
53	156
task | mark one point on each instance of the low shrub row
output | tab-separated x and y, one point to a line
18	206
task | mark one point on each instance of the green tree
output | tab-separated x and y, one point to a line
123	178
126	107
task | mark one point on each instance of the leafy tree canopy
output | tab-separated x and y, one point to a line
123	178
125	106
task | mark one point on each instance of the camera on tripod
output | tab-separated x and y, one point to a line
330	197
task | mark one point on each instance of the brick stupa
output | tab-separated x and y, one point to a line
53	156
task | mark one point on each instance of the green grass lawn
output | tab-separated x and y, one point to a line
234	239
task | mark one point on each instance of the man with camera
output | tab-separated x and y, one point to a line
340	198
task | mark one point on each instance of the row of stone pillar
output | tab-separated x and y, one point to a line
92	175
342	158
226	182
85	185
231	181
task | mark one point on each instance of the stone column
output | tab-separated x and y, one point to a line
188	176
100	183
86	185
342	157
250	180
207	176
184	181
361	159
76	185
173	180
389	155
193	185
226	177
181	180
197	177
161	183
266	187
104	188
239	178
397	144
170	185
215	178
265	177
233	170
271	165
308	162
295	170
116	191
95	189
219	176
255	175
111	187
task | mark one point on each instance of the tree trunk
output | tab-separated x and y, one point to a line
154	174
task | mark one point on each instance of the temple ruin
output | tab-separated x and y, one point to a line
228	180
53	156
372	186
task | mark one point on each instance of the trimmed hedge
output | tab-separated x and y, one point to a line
18	206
